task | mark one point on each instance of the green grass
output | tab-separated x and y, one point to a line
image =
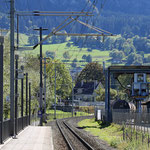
59	49
23	39
61	114
112	134
74	52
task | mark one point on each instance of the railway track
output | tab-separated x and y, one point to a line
73	140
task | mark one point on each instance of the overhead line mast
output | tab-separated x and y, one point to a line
12	48
50	13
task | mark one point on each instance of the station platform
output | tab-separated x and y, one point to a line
31	138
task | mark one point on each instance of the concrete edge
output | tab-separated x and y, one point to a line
11	138
52	139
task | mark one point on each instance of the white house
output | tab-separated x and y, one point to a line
85	91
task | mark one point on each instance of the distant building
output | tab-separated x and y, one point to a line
85	91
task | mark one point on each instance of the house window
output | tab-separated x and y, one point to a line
79	90
93	99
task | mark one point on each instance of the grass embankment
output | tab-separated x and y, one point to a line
61	114
112	134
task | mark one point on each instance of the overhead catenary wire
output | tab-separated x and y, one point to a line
50	34
80	31
86	23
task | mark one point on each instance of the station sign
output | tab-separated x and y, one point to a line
39	113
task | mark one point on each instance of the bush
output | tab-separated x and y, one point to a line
88	109
114	144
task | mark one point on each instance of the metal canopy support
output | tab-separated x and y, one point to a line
55	95
107	95
108	84
26	94
16	94
129	69
1	88
44	84
119	70
22	99
29	103
72	97
12	13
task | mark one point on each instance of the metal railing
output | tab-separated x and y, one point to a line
131	117
22	122
6	130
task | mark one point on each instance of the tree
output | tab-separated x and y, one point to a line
101	94
92	71
89	58
59	39
84	57
119	43
148	58
50	54
89	49
74	65
68	44
75	60
32	40
128	47
116	54
138	60
63	80
134	59
66	55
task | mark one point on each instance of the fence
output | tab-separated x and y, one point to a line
66	112
22	122
135	125
131	118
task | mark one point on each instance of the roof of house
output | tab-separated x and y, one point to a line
87	87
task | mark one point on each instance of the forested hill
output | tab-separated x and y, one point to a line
117	16
119	6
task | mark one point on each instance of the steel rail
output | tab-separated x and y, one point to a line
87	145
65	137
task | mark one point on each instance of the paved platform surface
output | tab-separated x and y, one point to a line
31	138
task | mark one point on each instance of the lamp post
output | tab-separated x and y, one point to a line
72	96
26	96
22	94
55	95
16	96
29	102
